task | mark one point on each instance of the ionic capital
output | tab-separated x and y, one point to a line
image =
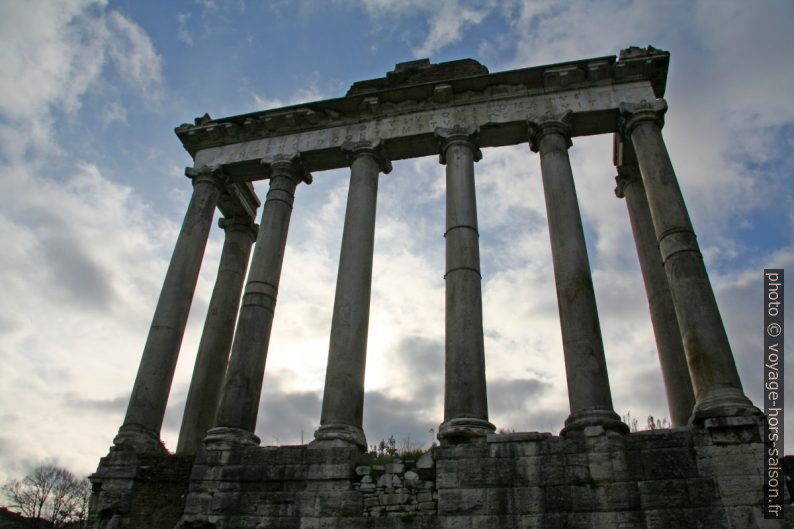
373	149
286	165
632	114
627	174
241	224
549	124
447	137
211	174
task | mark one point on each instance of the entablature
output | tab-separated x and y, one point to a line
403	117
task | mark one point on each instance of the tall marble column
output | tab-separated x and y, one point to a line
216	339
465	398
343	399
236	418
678	386
715	380
585	364
141	428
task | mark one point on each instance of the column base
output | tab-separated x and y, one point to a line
604	417
226	438
464	429
135	438
723	402
343	432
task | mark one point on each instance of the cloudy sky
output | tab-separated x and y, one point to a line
93	193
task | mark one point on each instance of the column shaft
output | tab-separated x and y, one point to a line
216	339
715	380
465	397
343	398
146	409
678	385
589	394
237	412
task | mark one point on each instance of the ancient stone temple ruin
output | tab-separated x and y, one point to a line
704	472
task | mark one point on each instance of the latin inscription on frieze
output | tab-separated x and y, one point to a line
422	124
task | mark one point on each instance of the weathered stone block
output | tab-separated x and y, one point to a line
385	481
567	521
394	468
225	503
607	441
486	472
325	504
395	499
278	523
462	501
696	517
295	472
735	430
332	456
600	466
702	492
577	469
627	465
741	490
527	500
528	470
552	470
464	451
617	496
669	463
329	471
663	493
198	503
557	498
424	496
426	461
617	520
456	522
729	460
583	498
328	485
447	474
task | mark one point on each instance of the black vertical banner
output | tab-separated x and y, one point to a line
773	393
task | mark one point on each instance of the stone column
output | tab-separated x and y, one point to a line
465	398
718	390
236	418
216	339
678	386
141	428
343	399
585	364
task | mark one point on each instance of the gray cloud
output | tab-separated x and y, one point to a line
285	415
115	405
423	365
386	416
74	274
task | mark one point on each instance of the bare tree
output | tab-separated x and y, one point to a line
50	496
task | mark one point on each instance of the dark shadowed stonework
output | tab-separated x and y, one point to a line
707	472
704	477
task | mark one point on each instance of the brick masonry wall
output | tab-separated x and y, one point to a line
707	477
